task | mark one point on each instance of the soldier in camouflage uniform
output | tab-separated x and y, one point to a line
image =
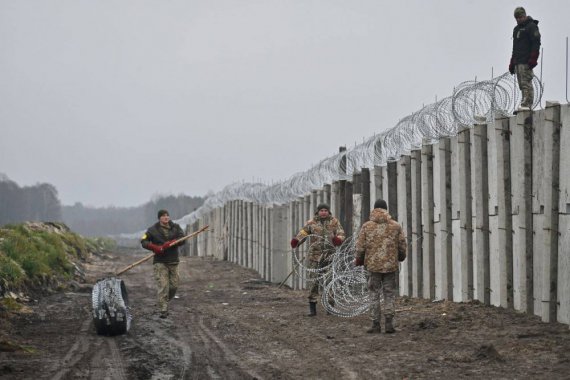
159	238
526	45
324	233
380	245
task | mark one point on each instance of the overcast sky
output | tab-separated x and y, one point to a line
113	102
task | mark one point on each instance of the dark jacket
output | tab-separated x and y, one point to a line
159	235
526	38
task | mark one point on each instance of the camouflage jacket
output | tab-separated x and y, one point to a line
380	241
322	231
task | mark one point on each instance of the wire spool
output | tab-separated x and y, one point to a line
111	314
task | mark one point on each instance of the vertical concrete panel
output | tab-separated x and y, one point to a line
541	178
255	236
428	241
457	257
356	213
348	192
365	191
494	250
444	271
386	186
480	191
465	215
356	202
546	199
335	199
564	219
502	237
564	268
392	189
327	194
280	249
377	185
405	218
521	173
267	240
291	231
416	214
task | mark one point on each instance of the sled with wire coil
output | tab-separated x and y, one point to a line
111	314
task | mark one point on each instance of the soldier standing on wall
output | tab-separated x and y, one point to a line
526	45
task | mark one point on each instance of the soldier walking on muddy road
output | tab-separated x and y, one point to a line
381	244
526	45
159	239
324	233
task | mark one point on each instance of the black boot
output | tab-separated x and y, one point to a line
312	309
388	326
375	329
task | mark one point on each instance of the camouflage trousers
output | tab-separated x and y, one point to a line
381	285
316	279
524	77
166	277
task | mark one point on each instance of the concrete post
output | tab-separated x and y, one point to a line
480	191
356	202
502	288
466	215
521	174
405	218
365	208
416	223
546	204
280	257
428	241
378	186
564	219
445	259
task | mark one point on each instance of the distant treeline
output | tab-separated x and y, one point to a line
17	204
41	203
89	221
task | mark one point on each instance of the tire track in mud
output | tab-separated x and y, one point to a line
215	357
90	356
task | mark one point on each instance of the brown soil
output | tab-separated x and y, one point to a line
229	324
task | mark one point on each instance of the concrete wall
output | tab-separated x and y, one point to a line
486	214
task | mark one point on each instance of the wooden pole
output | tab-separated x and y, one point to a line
152	254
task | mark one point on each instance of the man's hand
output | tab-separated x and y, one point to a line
294	243
157	249
512	66
358	262
336	241
533	60
168	244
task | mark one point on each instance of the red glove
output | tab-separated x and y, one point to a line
157	249
358	262
168	244
294	243
336	241
512	66
533	60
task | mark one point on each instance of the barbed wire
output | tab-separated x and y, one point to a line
496	97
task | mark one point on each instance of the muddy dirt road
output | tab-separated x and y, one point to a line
228	324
